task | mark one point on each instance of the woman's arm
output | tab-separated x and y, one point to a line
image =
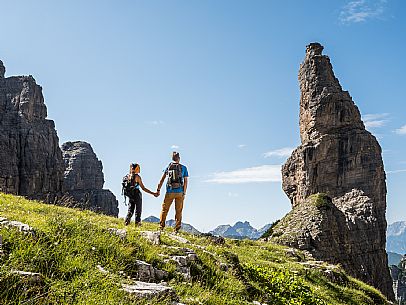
139	180
161	182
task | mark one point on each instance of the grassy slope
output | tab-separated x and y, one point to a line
69	244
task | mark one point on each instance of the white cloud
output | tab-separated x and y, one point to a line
234	195
375	120
282	152
396	171
264	173
174	146
401	130
156	122
361	11
242	146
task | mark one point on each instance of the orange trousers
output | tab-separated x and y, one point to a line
169	197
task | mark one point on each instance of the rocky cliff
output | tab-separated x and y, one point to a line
341	162
398	273
84	179
30	159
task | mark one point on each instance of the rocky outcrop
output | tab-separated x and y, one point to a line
31	161
30	158
398	274
341	161
84	179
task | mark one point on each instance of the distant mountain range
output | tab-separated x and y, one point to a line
394	258
240	230
171	223
396	237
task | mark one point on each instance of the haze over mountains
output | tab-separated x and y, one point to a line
396	237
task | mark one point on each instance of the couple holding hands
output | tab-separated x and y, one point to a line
177	180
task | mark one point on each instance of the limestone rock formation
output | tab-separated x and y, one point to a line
342	161
31	161
30	158
84	179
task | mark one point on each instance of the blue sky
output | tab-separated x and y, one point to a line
216	80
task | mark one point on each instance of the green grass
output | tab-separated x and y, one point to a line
320	200
69	244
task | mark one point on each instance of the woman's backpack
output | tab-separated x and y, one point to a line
129	187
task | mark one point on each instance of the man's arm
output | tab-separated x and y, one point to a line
185	180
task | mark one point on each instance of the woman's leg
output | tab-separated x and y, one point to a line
131	206
138	208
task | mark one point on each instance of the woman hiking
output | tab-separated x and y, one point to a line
135	201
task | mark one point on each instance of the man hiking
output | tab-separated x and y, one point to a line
176	187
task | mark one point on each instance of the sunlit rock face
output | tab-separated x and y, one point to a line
30	158
84	179
341	159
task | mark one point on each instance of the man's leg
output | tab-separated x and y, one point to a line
178	210
131	206
165	208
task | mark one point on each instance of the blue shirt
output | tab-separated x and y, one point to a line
179	189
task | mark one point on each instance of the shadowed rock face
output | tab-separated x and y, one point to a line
31	162
30	158
340	158
84	179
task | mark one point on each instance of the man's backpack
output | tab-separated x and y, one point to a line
129	187
175	178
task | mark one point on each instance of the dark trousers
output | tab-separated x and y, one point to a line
134	204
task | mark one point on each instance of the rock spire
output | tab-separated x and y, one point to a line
84	179
2	70
30	159
335	180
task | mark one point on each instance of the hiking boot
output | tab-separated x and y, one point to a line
138	224
126	222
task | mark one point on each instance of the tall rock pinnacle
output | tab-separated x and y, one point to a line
2	69
335	180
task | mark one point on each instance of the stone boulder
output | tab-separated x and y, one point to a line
31	161
84	179
145	290
341	161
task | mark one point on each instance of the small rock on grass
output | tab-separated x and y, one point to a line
153	237
122	233
178	238
150	290
31	277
